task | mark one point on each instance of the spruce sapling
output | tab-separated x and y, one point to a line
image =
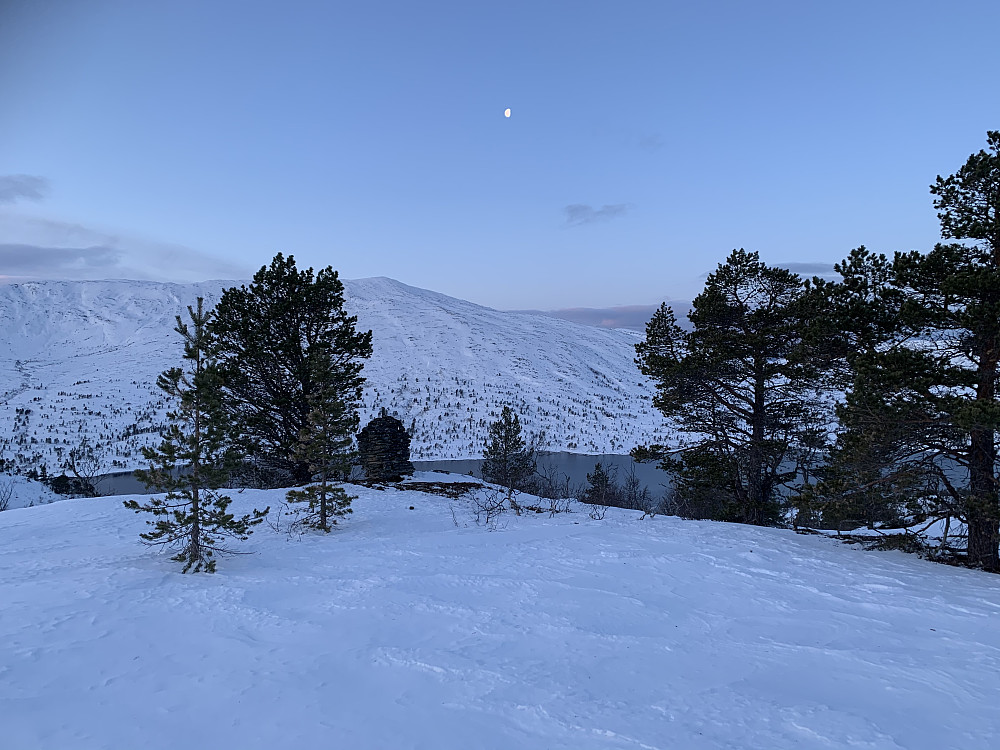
194	459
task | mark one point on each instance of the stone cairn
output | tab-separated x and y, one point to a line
384	449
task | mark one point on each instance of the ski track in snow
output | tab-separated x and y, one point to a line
401	630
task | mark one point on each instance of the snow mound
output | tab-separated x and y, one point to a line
418	629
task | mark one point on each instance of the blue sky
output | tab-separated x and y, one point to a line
193	140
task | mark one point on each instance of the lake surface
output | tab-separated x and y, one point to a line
576	466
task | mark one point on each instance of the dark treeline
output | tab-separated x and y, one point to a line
872	399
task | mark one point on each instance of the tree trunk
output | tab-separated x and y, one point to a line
195	544
756	461
984	508
323	502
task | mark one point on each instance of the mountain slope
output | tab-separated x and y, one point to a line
418	629
82	358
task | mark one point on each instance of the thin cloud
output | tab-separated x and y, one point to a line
633	317
625	316
651	142
38	248
32	261
578	214
15	187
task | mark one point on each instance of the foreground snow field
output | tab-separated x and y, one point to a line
403	630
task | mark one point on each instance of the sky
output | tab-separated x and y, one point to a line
184	141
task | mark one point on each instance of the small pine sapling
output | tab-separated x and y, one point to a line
507	461
193	517
324	446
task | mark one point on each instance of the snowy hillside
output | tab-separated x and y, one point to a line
418	629
21	492
82	358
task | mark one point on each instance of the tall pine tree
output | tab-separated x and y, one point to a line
740	385
267	334
194	459
856	485
927	379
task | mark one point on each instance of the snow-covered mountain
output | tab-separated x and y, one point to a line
81	358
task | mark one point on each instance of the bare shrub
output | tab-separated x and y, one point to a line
6	493
597	512
549	483
604	491
87	461
258	474
559	505
489	504
636	496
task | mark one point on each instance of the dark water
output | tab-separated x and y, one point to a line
120	483
575	466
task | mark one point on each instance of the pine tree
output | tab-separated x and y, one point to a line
508	461
739	385
194	459
852	486
267	333
325	447
602	488
926	382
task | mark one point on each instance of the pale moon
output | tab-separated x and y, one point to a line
506	112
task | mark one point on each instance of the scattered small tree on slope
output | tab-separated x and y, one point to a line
193	517
739	384
267	333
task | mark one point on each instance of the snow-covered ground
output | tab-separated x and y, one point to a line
81	358
21	492
418	629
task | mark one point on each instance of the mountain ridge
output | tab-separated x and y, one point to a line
83	357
